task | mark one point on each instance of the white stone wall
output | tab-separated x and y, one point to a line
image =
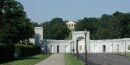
100	46
32	40
64	46
112	46
93	46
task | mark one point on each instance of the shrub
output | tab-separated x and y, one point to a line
22	50
6	52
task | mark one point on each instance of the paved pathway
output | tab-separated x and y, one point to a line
108	59
55	59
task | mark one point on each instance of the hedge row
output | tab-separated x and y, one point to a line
8	52
26	50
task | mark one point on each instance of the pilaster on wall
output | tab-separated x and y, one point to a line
39	31
38	35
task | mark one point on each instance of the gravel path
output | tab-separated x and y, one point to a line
55	59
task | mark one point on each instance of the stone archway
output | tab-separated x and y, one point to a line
58	48
77	36
104	48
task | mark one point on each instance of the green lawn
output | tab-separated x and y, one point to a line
123	54
28	60
70	60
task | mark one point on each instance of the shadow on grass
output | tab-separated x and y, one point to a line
16	59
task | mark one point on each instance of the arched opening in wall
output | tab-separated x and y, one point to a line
58	49
104	48
77	44
80	47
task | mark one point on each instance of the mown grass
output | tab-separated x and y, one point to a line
123	54
28	60
70	60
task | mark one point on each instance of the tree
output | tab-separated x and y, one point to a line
46	28
14	22
35	24
112	26
89	24
55	29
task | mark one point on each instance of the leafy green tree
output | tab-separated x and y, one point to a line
89	24
14	22
55	29
112	26
35	24
46	28
104	26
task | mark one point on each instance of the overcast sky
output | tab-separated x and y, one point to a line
44	10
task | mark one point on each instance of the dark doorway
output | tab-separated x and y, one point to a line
104	48
58	49
46	49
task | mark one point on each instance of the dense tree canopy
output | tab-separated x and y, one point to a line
112	26
87	23
14	24
55	29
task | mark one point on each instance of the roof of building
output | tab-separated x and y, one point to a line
70	22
